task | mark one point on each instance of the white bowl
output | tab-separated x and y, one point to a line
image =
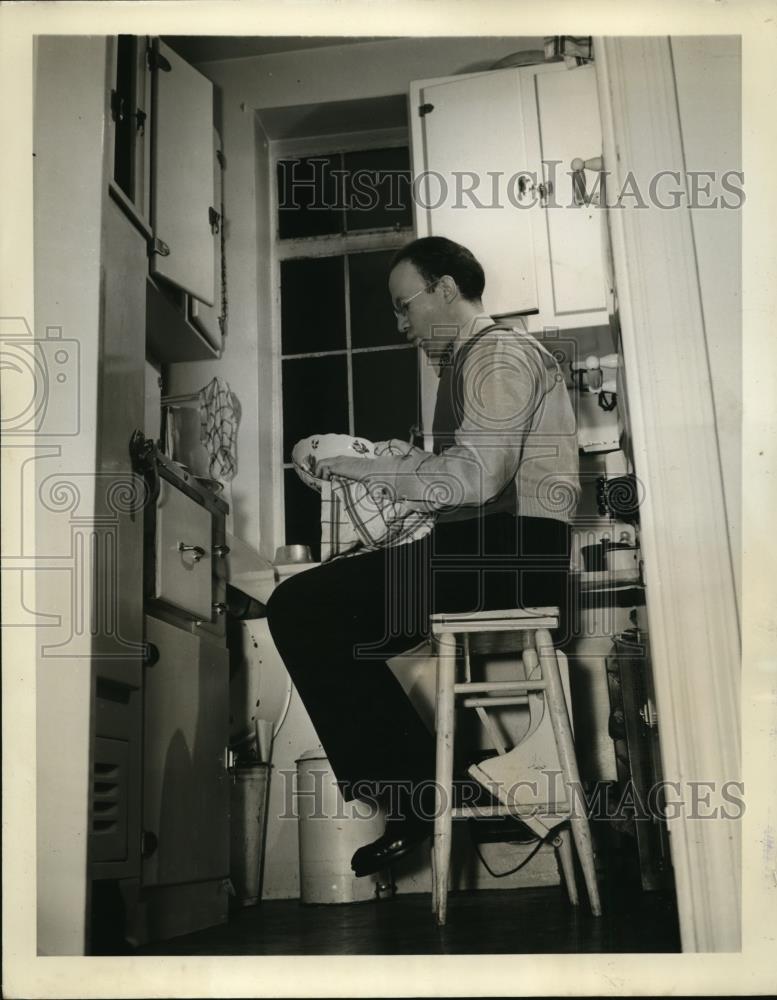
309	450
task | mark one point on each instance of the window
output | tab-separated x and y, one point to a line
344	192
345	367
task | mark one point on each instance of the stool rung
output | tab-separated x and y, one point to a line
518	686
518	615
519	699
486	812
465	625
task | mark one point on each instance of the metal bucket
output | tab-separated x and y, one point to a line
247	829
330	830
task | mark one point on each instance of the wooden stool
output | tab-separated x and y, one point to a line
528	631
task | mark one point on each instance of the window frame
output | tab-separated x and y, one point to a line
329	245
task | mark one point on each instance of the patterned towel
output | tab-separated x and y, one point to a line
219	420
353	522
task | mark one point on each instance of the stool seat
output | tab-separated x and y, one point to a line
506	776
494	621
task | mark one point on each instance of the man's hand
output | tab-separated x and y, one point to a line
394	448
342	465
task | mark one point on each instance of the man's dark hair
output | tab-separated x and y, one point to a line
434	256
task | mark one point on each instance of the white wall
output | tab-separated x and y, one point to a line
707	74
67	215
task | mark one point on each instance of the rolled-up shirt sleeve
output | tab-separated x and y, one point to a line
502	384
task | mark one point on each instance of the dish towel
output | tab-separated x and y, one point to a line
219	421
353	522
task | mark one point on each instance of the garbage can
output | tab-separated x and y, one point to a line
247	830
330	830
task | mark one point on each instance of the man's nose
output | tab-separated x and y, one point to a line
403	323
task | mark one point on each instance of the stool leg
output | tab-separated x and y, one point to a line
566	751
443	820
564	850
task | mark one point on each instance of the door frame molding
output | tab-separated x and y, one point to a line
692	608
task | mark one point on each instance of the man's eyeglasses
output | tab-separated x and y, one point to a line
400	306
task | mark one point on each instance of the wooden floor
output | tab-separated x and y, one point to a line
522	921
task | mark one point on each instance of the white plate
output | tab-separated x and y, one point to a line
309	450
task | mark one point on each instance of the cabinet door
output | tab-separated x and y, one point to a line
183	577
185	780
182	174
561	116
206	318
473	136
130	97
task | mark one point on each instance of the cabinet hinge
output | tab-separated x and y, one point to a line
158	246
648	714
424	109
156	60
214	218
221	158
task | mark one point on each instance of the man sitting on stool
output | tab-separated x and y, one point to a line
503	481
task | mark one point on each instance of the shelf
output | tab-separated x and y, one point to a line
169	337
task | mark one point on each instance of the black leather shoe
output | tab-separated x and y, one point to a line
399	839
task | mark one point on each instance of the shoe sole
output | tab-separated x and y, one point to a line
361	871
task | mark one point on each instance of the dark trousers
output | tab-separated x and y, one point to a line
336	625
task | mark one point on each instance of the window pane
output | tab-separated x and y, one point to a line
373	323
303	514
378	189
308	202
312	305
315	399
385	385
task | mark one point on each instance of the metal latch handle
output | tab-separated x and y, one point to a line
198	550
579	167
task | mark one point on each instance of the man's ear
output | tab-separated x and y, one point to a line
449	287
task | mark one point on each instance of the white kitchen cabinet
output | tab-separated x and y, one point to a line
167	179
130	102
471	137
205	318
511	136
185	778
182	172
561	124
183	563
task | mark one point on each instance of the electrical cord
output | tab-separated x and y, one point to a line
526	860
